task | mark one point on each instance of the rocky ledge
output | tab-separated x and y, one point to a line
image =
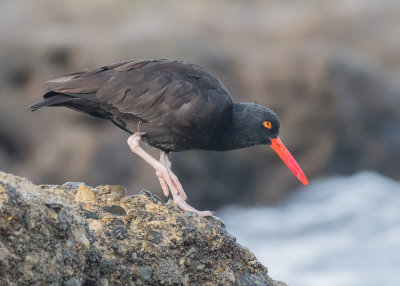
78	235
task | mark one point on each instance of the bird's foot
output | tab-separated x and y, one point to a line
173	185
168	181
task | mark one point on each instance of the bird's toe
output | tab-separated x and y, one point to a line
178	186
180	202
205	213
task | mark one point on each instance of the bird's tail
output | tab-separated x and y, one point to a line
86	103
56	99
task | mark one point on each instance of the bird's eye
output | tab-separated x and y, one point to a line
267	124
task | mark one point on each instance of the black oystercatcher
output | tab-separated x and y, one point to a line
172	106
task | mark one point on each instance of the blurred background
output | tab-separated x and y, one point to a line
330	70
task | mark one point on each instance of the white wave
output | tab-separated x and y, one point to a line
336	231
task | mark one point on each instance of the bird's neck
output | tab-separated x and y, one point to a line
239	133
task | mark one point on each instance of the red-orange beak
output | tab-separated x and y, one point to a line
286	157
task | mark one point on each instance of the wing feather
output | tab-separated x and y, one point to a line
156	91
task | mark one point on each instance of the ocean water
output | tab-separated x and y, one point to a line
337	231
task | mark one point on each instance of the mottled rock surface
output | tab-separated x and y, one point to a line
78	235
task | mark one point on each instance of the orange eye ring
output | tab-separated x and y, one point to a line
267	124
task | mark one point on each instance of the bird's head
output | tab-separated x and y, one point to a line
260	125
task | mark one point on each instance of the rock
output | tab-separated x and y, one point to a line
83	240
72	282
114	192
69	186
248	279
115	210
89	214
155	236
52	235
120	233
85	194
117	192
145	272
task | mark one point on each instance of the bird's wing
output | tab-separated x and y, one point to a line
89	81
155	91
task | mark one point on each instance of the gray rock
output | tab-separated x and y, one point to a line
115	210
89	214
145	272
135	241
72	282
248	279
155	236
70	186
120	233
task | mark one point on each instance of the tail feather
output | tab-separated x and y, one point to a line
55	100
86	103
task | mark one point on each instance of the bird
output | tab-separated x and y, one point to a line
173	106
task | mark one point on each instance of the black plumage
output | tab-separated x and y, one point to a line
175	106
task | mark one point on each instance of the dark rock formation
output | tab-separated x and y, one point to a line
78	235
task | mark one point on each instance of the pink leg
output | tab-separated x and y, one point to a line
164	174
167	163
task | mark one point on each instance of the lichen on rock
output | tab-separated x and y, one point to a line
78	235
